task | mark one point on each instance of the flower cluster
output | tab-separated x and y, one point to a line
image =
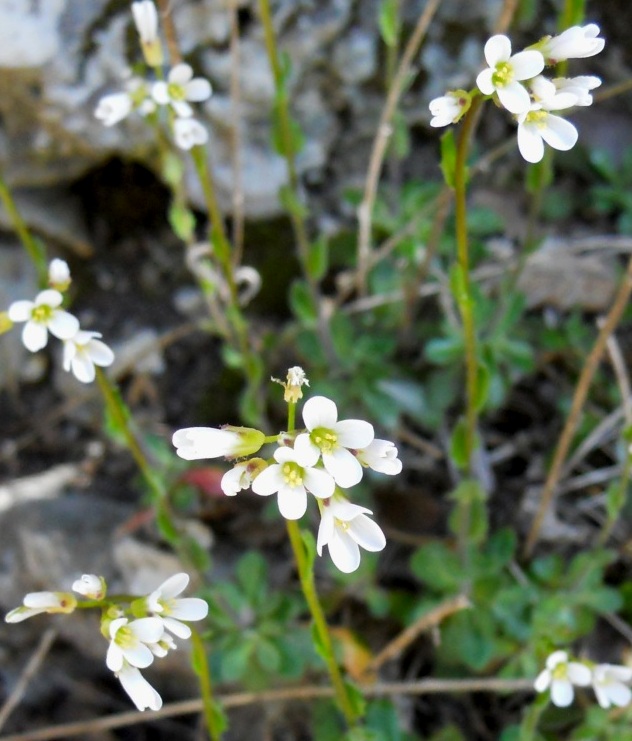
83	350
325	458
136	634
516	83
175	93
561	675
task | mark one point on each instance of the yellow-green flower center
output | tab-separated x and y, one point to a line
292	474
503	74
560	672
324	439
176	92
538	118
125	638
41	313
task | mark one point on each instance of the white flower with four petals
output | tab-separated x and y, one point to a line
171	610
180	88
577	42
42	316
610	685
82	352
128	642
559	676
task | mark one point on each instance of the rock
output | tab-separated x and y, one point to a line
355	57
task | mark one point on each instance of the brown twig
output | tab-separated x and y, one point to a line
581	392
382	138
309	692
13	700
425	622
169	29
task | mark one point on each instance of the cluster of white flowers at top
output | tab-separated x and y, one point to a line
517	83
136	635
176	92
82	349
560	676
328	456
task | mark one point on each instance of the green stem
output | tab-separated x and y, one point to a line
31	245
466	301
213	715
306	577
531	718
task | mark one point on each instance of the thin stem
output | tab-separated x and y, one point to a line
579	397
211	711
235	139
466	301
30	244
297	212
380	143
306	577
170	31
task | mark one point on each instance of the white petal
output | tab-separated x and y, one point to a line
83	369
307	454
344	552
557	657
180	74
189	608
354	433
177	628
41	600
49	297
63	325
147	630
343	466
527	64
319	411
325	530
137	655
284	455
319	482
160	92
367	533
142	694
198	90
602	694
542	681
114	657
100	353
561	693
579	674
34	336
269	481
514	97
619	694
20	311
346	511
193	443
484	81
292	502
182	108
530	143
559	133
497	49
174	585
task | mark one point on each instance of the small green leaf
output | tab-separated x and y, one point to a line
182	222
389	21
458	444
252	574
483	380
318	258
301	303
444	350
438	567
291	202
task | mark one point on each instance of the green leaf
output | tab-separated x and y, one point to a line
438	567
448	157
458	444
291	202
182	222
444	350
301	303
310	550
287	136
469	515
458	286
389	21
252	574
268	655
483	381
318	258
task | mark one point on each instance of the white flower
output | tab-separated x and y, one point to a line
146	20
609	682
343	528
579	86
292	476
163	603
164	645
241	476
333	439
142	694
574	43
113	108
381	455
189	133
560	675
59	275
193	443
505	72
35	603
128	642
82	352
181	87
545	92
42	316
536	126
91	586
449	108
